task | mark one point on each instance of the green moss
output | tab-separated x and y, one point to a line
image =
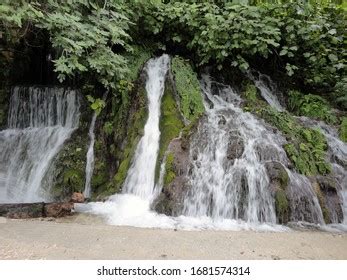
131	132
250	93
282	206
69	167
310	105
343	129
170	121
188	88
170	174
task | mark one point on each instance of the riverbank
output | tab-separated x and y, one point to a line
76	239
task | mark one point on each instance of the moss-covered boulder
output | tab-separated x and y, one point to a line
279	181
171	121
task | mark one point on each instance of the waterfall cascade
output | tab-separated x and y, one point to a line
140	180
337	156
90	158
39	122
90	154
229	186
222	187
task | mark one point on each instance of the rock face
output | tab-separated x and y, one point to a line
330	202
170	201
77	197
35	210
279	180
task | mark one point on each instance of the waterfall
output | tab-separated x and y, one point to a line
222	185
90	158
267	89
90	154
140	179
300	188
337	155
132	207
40	120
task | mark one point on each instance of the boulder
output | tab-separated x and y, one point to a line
236	147
57	210
35	210
77	197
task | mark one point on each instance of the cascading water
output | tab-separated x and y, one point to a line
337	153
301	189
132	207
90	154
304	202
90	158
39	122
267	87
140	180
223	187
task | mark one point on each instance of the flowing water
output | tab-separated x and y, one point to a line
239	188
90	158
40	120
337	156
90	154
140	179
267	90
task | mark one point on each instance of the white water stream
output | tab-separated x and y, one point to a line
40	121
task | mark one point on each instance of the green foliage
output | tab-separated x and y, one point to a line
310	105
343	129
304	41
96	104
83	33
188	88
306	148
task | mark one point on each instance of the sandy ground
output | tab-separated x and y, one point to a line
73	239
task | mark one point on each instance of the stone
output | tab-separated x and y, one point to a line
236	147
277	174
77	197
57	210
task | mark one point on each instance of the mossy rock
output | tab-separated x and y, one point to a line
306	147
171	122
188	89
282	206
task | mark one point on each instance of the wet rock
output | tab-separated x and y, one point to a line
277	174
326	190
35	210
77	197
57	210
222	120
236	147
279	180
170	201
